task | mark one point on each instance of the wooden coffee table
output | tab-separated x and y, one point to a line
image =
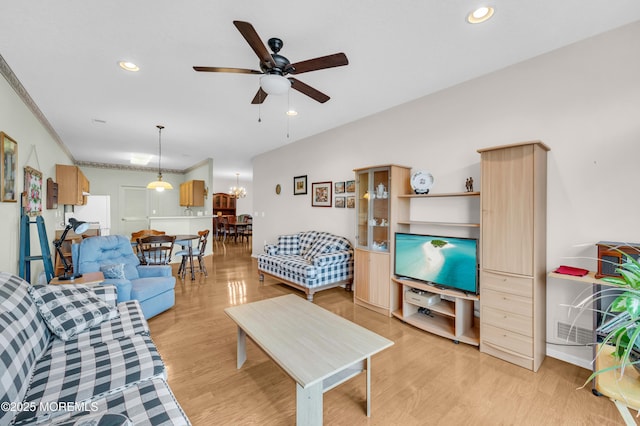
316	348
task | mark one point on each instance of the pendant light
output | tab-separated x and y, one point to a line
159	185
238	191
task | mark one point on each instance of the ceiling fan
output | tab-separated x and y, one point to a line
275	67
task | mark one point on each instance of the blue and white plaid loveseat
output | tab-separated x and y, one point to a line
309	261
110	373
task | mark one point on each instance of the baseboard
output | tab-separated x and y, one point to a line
570	358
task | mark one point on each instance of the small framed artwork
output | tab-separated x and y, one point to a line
33	191
300	185
351	186
340	202
321	194
351	202
339	188
9	156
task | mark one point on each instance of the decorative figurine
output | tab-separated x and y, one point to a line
469	184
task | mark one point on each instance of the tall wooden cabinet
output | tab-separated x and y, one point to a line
72	185
378	211
513	253
224	204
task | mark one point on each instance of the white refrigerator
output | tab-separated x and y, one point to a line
96	212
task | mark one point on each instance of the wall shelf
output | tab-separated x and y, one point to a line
444	194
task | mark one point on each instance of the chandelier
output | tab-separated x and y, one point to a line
238	191
159	185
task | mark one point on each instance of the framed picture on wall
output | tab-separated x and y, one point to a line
339	187
340	202
33	191
350	186
300	185
351	202
9	158
321	194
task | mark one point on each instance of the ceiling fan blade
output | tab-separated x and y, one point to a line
308	90
249	33
222	69
260	96
329	61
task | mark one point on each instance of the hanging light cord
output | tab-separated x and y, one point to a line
160	127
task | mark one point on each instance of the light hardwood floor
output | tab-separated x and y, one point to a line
421	380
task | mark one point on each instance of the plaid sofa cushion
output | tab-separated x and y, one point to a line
306	240
288	244
23	338
108	293
327	243
129	323
89	373
70	309
101	419
149	403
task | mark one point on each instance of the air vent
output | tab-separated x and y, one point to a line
579	335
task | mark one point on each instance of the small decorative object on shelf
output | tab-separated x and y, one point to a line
469	184
421	182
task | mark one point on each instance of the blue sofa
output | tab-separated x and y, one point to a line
152	285
309	261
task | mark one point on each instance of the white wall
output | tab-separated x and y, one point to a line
42	152
583	101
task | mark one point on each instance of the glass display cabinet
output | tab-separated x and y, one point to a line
373	209
378	212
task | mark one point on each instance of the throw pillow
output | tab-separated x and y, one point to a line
306	240
320	247
70	309
114	271
288	244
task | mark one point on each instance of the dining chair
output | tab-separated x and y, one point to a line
247	230
229	227
140	234
198	252
156	249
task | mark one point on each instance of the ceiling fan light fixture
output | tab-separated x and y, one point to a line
275	84
481	14
128	66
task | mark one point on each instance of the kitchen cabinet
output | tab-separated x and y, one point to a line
73	186
192	193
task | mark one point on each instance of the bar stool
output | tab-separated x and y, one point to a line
197	251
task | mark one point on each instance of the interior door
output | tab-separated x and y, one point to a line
133	209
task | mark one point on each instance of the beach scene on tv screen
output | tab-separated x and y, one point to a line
440	260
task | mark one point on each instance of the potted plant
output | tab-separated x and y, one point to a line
620	325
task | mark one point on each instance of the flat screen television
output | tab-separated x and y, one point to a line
449	262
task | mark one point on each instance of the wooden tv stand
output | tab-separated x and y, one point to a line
452	319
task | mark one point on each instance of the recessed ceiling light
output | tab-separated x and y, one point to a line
292	112
479	15
140	159
128	66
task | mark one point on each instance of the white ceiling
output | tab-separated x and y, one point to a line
65	54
